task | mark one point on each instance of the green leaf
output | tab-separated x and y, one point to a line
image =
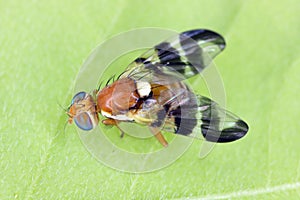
43	45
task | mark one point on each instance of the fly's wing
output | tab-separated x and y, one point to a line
204	118
178	58
169	63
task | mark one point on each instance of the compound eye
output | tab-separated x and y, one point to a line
78	97
84	121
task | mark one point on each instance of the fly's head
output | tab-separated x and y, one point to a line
83	111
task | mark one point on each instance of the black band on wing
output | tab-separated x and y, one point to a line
170	57
167	53
185	115
161	115
193	53
219	125
206	35
184	126
181	57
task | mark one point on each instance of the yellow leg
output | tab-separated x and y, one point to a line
159	136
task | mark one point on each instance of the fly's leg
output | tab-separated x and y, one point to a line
159	136
113	122
122	133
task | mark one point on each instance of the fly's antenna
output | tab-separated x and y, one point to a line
65	109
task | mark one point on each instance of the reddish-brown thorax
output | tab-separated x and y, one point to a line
117	97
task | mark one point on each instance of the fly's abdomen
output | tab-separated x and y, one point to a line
178	108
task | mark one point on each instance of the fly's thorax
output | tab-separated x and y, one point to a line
121	96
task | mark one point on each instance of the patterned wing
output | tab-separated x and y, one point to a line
178	110
178	58
203	118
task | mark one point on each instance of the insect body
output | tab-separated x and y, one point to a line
151	92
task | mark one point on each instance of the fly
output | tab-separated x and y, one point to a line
151	92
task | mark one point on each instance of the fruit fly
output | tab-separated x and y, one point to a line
152	92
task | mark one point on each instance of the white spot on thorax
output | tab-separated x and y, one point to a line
143	88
